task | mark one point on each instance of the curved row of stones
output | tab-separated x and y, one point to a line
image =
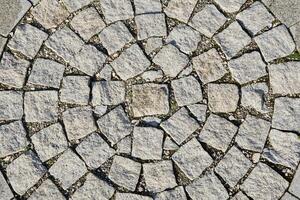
114	99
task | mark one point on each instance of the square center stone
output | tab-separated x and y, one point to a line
150	99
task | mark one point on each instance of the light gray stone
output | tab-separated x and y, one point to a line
170	145
230	5
68	169
24	172
11	105
47	191
171	60
180	9
275	43
192	159
288	196
115	10
41	106
124	146
49	142
115	125
100	110
176	193
108	92
131	196
125	172
150	25
75	90
159	176
217	132
147	6
79	122
73	6
46	73
153	44
295	184
187	91
296	34
232	40
3	41
208	20
199	111
152	75
5	192
106	72
264	183
130	63
240	196
186	71
180	125
253	133
209	66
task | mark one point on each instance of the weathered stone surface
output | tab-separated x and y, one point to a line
283	148
207	187
296	34
13	70
184	38
248	67
284	78
255	18
230	5
46	73
68	169
152	44
150	25
108	92
49	142
253	133
180	125
286	114
199	111
180	9
47	191
125	172
5	192
94	150
49	13
186	71
209	66
75	90
159	176
11	12
41	106
115	10
106	72
72	6
100	110
124	146
131	196
232	40
147	143
24	172
115	125
264	183
170	145
131	63
152	75
150	99
147	6
93	188
275	43
192	159
295	185
3	41
288	196
240	196
27	40
11	105
79	122
223	97
121	36
176	193
233	166
217	132
171	60
208	20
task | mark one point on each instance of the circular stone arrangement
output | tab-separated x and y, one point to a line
148	99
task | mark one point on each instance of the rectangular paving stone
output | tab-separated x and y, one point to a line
147	6
47	190
108	92
5	191
230	5
11	105
180	9
176	193
115	10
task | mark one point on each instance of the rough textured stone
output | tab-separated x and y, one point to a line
130	63
79	122
240	196
170	145
152	75
171	60
230	5
248	67
192	159
180	125
208	20
94	150
295	185
115	10
27	40
223	97
199	111
180	9
47	191
5	192
275	43
100	110
108	92
232	40
125	172
106	72
41	106
288	196
124	146
176	193
153	44
209	66
115	125
3	41
24	172
264	183
217	132
75	90
11	105
296	34
253	133
46	73
147	6
49	142
131	196
147	143
207	187
72	6
159	176
150	99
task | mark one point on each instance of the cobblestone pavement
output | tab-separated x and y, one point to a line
149	99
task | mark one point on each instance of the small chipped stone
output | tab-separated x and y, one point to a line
199	111
176	193
108	92
170	145
230	6
5	191
124	146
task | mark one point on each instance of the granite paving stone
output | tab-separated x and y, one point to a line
47	191
176	193
73	6
294	187
230	6
131	196
147	6
5	191
115	10
180	9
11	105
